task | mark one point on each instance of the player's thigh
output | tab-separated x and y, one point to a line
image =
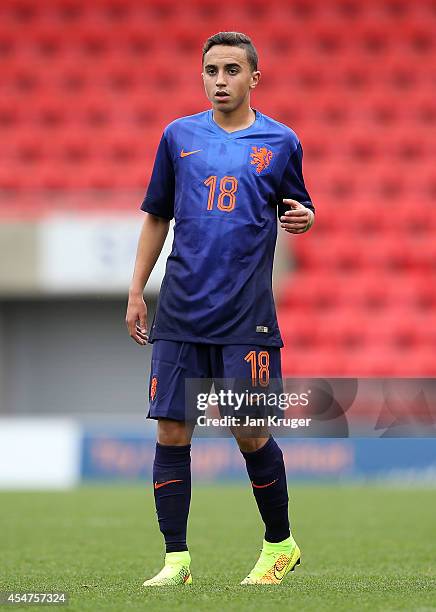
172	364
258	367
254	373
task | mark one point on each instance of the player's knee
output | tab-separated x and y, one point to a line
249	445
173	433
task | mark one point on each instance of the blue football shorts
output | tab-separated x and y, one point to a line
237	367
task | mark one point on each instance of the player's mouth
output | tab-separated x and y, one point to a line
222	96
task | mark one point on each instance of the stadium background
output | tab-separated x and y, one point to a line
86	89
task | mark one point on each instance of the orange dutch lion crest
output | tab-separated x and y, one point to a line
261	158
153	388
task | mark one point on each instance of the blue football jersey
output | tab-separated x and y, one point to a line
224	191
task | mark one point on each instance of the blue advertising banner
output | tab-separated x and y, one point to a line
129	457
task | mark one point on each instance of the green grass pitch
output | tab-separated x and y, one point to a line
363	548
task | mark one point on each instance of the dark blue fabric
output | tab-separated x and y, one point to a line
174	362
225	196
172	463
266	470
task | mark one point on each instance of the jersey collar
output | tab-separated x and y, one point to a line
217	128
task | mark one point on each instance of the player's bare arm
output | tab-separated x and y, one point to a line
150	243
298	219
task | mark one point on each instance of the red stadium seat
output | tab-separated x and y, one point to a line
89	87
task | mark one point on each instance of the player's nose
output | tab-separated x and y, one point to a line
220	79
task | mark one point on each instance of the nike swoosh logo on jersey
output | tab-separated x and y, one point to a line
186	153
265	485
158	485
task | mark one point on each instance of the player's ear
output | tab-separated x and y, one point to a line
255	78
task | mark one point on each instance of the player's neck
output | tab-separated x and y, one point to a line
240	119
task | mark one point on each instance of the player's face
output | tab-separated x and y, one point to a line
228	77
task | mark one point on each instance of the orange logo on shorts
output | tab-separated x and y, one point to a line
153	388
261	158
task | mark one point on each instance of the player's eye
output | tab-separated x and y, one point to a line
233	71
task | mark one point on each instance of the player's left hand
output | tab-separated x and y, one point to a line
298	219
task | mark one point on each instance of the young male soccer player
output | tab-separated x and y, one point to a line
223	174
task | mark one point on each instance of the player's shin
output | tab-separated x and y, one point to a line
172	493
280	553
266	471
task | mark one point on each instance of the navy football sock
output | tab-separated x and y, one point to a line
266	470
172	493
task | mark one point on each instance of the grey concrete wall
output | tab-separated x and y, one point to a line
71	357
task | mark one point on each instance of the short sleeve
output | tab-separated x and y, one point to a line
292	185
159	199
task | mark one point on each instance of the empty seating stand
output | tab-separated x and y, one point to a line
87	88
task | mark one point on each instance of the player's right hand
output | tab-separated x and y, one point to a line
136	319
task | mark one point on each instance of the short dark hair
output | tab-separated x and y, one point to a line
233	39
